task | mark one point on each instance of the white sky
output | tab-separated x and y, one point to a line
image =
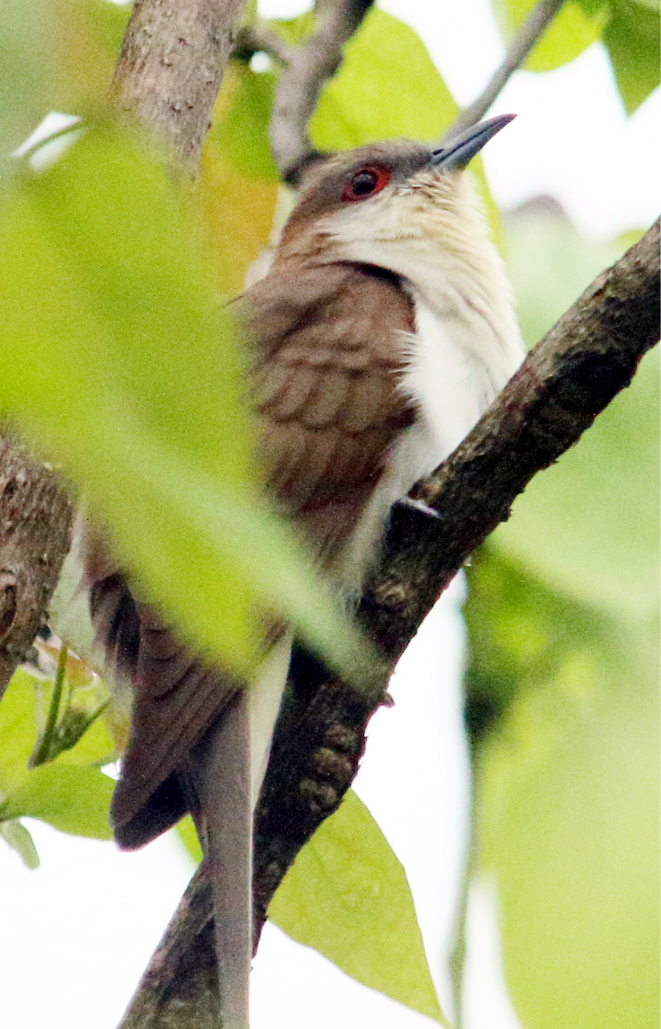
77	933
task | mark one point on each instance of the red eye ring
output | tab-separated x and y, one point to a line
366	182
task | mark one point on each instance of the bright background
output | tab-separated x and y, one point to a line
572	140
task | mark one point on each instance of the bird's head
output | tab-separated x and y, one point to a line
388	203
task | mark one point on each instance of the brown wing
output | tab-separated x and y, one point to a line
329	352
327	357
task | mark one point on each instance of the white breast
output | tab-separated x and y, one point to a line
452	388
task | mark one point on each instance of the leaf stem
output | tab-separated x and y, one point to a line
41	753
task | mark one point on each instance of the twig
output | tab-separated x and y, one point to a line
169	71
310	66
524	40
260	38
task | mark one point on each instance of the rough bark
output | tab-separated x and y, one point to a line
35	526
170	68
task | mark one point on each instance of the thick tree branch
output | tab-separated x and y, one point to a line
309	67
523	42
35	525
169	71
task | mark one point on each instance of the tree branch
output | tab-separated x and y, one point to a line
310	65
260	38
170	68
35	525
523	42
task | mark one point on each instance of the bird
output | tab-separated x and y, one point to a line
381	332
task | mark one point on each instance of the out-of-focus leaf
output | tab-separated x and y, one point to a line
347	897
632	39
18	838
25	69
188	835
387	87
86	39
564	264
588	525
74	800
569	826
567	799
241	123
520	634
574	28
237	216
17	730
115	353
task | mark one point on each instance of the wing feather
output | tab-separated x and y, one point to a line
328	352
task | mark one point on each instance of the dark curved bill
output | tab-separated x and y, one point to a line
458	152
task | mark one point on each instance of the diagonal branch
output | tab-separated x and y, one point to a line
523	42
310	65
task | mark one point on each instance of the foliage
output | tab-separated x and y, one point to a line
116	351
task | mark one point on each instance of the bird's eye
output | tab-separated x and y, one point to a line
366	183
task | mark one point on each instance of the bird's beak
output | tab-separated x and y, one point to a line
459	151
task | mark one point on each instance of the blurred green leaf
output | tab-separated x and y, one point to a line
74	800
347	897
86	38
242	131
387	87
519	632
19	839
25	69
188	836
567	799
115	353
574	28
565	263
17	730
632	37
589	524
562	677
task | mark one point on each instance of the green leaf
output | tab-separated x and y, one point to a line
188	835
19	839
575	27
116	354
243	130
387	87
568	827
74	800
347	897
589	524
25	69
567	799
66	793
522	632
572	29
632	39
17	730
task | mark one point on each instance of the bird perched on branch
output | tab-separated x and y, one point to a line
381	333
